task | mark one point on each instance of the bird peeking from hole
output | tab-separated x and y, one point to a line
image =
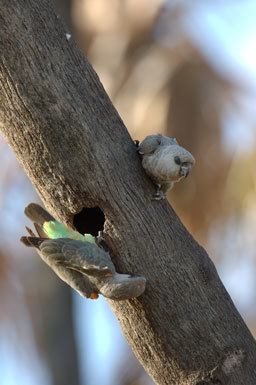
78	259
165	162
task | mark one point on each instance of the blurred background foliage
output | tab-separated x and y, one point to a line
187	70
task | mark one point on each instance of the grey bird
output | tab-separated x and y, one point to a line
165	162
83	265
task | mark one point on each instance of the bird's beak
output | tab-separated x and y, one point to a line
184	171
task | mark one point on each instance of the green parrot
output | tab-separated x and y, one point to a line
78	259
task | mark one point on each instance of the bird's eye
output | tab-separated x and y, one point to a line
177	160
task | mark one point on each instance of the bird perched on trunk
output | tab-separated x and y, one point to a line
78	260
165	162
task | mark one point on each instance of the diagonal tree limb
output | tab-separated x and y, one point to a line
73	145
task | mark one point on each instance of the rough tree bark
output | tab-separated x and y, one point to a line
70	140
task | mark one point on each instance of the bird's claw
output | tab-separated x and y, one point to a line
159	195
99	237
100	241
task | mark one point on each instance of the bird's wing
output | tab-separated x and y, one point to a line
149	144
166	141
83	257
51	252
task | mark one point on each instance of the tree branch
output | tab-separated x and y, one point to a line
74	147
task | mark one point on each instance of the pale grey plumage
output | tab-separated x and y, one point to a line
87	268
165	162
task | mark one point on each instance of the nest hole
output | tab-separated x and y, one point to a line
89	221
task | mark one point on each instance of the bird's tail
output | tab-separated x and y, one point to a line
38	214
32	241
40	217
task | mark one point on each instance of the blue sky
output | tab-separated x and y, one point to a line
230	26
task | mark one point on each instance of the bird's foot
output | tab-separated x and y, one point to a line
99	238
137	143
159	195
100	241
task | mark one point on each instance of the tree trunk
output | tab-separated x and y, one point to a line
74	147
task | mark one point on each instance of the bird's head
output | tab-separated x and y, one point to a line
182	162
123	286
